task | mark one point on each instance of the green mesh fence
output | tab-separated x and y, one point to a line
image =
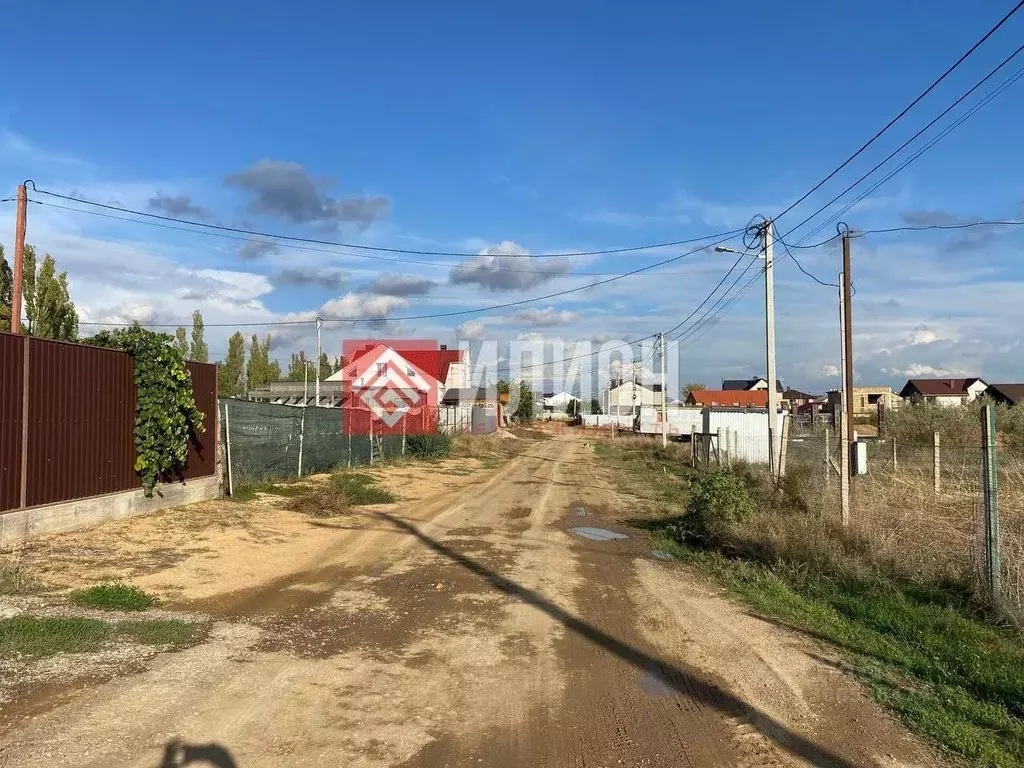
264	441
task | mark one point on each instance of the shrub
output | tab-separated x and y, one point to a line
429	446
717	501
113	597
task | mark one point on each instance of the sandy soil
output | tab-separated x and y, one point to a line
467	624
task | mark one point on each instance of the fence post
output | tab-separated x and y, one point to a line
718	448
844	472
302	434
403	431
371	437
693	446
227	441
991	482
936	464
828	457
350	446
785	448
895	465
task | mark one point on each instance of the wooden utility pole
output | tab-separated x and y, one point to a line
848	334
19	260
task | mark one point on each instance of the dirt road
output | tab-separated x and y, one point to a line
472	627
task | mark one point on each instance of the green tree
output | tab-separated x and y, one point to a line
693	386
6	289
595	406
524	408
200	352
572	408
325	366
55	313
297	366
28	287
231	370
181	342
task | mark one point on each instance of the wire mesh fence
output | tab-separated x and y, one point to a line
919	507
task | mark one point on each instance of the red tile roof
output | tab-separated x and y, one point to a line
434	362
757	398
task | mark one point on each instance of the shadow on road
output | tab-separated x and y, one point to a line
177	753
683	683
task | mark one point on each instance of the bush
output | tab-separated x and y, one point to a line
429	446
717	501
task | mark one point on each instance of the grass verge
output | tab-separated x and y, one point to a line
250	491
925	649
342	492
36	636
113	597
174	632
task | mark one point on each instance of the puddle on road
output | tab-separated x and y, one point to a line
599	534
653	683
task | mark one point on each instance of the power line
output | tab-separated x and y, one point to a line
460	312
376	248
905	110
328	251
913	138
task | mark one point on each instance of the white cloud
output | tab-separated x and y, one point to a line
508	266
830	370
545	317
362	306
470	330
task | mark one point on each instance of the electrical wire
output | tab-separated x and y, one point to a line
378	248
460	312
916	135
906	109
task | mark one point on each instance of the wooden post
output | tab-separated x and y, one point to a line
371	438
718	448
936	464
302	434
895	465
693	446
350	447
991	483
844	473
403	431
18	276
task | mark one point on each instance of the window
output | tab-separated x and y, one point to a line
382	369
410	372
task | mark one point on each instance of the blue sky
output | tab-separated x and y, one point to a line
468	128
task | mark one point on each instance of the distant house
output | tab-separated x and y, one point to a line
794	398
944	392
865	400
748	385
621	400
753	398
557	401
1011	394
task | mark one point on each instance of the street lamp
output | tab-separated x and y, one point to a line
769	322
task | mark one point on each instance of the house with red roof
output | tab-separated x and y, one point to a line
728	398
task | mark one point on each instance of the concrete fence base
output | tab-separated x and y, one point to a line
22	524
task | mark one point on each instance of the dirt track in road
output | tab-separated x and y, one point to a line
472	627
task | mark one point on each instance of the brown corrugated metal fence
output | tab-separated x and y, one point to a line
81	414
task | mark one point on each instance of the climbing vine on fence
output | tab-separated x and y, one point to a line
165	413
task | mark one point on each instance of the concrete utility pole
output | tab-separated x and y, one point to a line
664	406
769	308
19	259
844	423
848	336
319	324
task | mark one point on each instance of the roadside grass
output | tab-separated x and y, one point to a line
490	449
529	433
113	597
46	636
16	580
339	494
173	632
251	490
42	636
925	648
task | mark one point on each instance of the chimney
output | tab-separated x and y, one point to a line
444	347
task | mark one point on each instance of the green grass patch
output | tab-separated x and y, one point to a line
34	636
252	490
113	597
429	446
173	632
361	489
